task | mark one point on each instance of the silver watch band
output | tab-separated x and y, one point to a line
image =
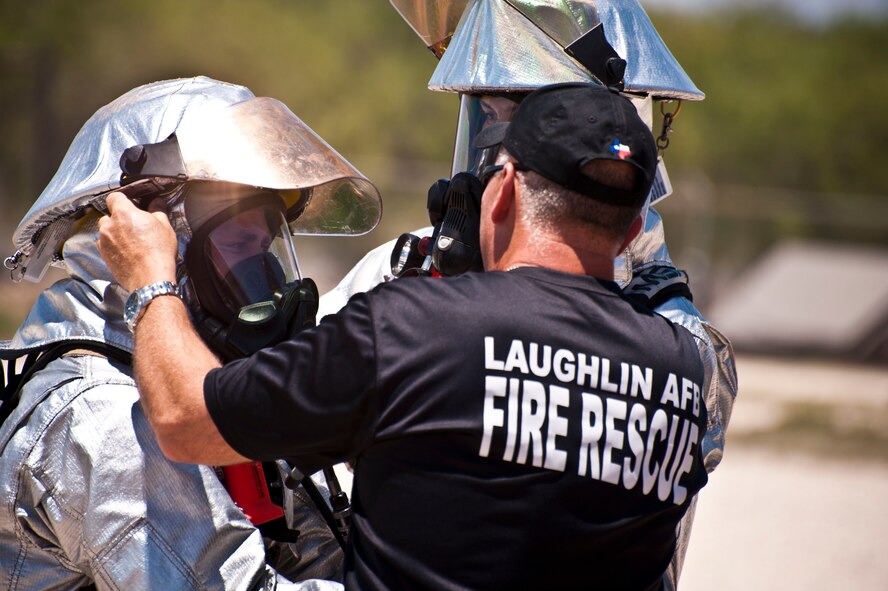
140	298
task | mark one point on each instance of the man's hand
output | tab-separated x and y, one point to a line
171	361
139	247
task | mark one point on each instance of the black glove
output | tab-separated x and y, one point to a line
652	285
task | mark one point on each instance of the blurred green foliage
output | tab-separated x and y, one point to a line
790	140
351	69
786	106
789	143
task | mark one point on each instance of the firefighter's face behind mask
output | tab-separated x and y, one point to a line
476	112
244	273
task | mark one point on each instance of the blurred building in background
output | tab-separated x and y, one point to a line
810	298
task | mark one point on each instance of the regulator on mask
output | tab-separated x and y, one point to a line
454	247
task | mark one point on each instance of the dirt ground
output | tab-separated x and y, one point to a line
797	504
771	520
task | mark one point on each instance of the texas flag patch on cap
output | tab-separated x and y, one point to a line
621	150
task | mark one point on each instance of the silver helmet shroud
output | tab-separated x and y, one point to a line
494	52
477	43
222	133
610	42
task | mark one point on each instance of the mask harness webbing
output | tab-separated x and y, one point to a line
34	361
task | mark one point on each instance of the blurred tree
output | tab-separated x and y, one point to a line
351	69
789	140
786	105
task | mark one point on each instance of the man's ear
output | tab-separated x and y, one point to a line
504	196
634	230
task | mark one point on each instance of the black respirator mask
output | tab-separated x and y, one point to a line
454	205
243	272
455	244
455	213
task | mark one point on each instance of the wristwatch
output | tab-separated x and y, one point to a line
136	302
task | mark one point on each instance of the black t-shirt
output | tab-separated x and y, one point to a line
522	429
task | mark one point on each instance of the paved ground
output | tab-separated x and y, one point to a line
789	516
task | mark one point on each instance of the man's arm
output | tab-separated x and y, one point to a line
171	361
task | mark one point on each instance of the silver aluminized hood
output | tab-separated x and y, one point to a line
518	45
218	132
91	167
222	132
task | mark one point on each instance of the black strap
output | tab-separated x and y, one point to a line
324	509
598	56
34	361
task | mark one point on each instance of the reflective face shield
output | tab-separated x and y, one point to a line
261	143
477	112
194	129
434	21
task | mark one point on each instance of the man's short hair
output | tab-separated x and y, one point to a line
551	206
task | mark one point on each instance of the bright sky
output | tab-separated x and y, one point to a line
816	11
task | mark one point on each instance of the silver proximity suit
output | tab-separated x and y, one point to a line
86	496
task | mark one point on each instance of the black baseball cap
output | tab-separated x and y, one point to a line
558	129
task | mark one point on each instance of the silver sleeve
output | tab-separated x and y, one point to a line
88	497
716	354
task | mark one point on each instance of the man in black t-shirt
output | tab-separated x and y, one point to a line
548	436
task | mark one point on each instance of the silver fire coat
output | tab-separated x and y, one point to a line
86	495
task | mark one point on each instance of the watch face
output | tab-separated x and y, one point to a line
131	306
140	298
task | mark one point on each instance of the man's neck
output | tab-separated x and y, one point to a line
556	255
